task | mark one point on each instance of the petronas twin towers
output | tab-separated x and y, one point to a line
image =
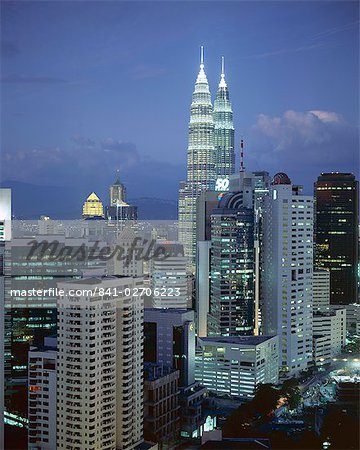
211	155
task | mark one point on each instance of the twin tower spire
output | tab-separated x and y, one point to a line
202	75
222	118
211	155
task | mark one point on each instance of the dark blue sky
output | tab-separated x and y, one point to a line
89	87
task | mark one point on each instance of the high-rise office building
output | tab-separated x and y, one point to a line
287	272
232	268
47	226
251	189
117	192
255	188
169	279
93	208
32	316
331	322
100	364
321	288
119	209
161	404
200	161
224	130
206	202
170	340
337	233
42	398
126	261
235	366
5	235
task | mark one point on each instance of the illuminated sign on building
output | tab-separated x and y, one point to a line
222	184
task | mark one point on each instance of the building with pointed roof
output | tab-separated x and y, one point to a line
117	192
223	130
93	208
119	209
200	160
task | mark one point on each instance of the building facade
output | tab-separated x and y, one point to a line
161	404
232	268
331	322
169	278
337	233
5	235
200	161
321	288
235	366
322	349
119	209
170	340
223	131
42	400
93	208
287	273
100	365
206	203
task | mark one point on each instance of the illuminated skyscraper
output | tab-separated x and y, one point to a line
336	233
119	209
200	162
287	272
232	268
93	208
224	130
117	192
5	235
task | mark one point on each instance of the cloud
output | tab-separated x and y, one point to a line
305	143
30	79
92	164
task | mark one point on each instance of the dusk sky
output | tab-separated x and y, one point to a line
91	87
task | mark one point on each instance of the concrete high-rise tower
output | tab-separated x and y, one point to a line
287	273
223	130
99	364
200	161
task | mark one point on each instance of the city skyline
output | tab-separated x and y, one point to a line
179	225
282	92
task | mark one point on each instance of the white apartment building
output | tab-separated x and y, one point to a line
287	273
169	279
100	364
42	396
352	317
235	366
321	288
321	349
331	322
48	226
127	250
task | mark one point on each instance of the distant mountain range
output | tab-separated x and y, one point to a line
30	201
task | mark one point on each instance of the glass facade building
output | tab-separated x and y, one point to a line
200	161
336	233
223	131
232	268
